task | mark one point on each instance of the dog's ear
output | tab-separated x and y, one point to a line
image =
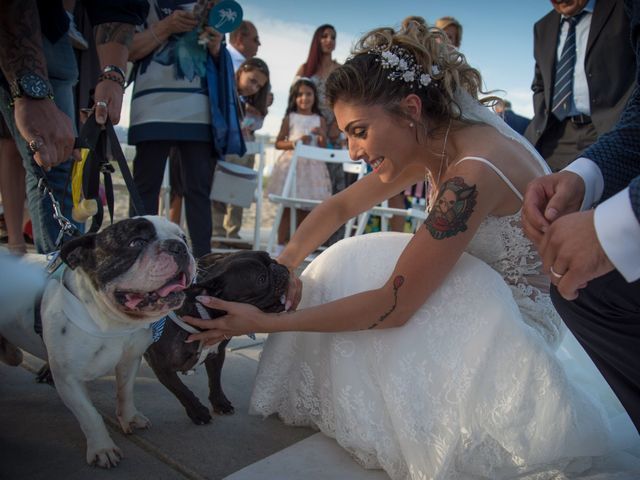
210	259
78	251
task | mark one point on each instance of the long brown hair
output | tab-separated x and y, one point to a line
293	94
312	64
259	99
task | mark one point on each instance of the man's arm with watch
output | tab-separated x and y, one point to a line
112	43
47	130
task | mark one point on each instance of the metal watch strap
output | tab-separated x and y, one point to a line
114	69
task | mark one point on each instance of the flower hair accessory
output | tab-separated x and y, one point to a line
403	66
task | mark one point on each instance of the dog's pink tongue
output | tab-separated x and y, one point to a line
181	284
133	299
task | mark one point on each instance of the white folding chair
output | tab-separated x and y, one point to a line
287	198
253	148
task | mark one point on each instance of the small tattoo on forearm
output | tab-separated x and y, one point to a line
397	283
452	209
114	32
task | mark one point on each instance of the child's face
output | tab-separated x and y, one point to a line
250	81
305	98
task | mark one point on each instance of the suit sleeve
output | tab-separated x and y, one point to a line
537	86
617	153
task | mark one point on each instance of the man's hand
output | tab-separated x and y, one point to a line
547	199
108	95
572	254
180	21
47	130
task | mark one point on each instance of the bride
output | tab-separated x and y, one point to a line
429	355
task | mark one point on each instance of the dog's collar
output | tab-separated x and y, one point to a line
202	350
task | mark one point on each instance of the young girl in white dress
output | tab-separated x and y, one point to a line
433	355
304	123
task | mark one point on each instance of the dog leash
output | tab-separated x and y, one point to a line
202	350
101	144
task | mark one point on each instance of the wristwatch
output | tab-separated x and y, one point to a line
31	85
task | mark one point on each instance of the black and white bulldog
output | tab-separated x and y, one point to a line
96	314
248	277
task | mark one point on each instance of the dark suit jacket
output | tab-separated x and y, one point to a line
618	152
515	121
609	66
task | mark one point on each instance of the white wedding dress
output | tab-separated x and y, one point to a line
472	387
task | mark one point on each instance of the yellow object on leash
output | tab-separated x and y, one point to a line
83	208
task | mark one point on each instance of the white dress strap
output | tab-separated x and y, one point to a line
498	171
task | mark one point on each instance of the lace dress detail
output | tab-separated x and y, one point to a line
501	243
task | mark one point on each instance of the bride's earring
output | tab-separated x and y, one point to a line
411	124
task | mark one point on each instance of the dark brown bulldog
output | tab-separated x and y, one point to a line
248	277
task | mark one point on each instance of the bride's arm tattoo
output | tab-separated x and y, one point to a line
397	283
114	32
452	209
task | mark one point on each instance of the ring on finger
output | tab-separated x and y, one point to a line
101	103
225	337
35	144
555	274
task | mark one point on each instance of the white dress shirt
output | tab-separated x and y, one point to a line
616	225
236	57
581	102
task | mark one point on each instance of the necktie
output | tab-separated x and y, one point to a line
563	87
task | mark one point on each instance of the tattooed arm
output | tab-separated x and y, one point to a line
21	52
112	43
466	198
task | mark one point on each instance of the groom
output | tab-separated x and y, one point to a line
593	255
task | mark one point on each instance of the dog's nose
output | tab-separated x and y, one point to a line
175	247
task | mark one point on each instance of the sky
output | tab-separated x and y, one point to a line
497	39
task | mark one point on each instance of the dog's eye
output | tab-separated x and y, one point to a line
262	279
138	242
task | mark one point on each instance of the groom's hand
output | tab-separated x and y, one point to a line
548	198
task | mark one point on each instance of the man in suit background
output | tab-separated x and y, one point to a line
583	76
593	255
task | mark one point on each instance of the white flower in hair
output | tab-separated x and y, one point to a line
403	66
435	69
390	58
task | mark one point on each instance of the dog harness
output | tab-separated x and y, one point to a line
202	350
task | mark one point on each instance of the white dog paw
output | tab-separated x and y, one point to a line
136	421
104	457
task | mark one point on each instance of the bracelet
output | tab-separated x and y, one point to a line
114	68
113	78
153	33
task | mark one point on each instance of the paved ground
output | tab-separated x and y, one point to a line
41	439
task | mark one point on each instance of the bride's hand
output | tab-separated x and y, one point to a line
294	291
241	318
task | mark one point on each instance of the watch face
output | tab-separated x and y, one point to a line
34	86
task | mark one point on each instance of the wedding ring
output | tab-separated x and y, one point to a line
557	275
35	144
101	104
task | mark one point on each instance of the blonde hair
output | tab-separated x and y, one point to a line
362	78
444	22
